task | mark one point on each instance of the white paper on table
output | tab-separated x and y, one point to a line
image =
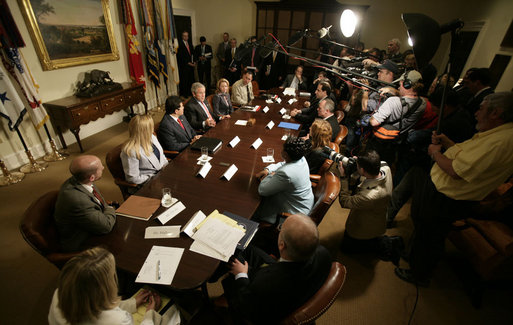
200	248
292	101
162	232
219	236
278	100
269	101
267	159
283	138
266	109
195	220
228	174
257	143
289	91
171	212
286	117
204	170
161	260
202	160
241	122
234	142
283	110
270	125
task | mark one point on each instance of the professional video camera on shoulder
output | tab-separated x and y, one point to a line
349	163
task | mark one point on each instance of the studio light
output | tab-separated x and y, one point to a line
348	21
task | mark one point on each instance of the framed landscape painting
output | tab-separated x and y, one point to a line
67	33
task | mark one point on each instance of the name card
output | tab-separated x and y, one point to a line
283	110
204	170
269	101
270	125
230	172
241	122
292	101
195	220
162	232
234	142
266	109
257	143
283	138
171	212
278	100
286	117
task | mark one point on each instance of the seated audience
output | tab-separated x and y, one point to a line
326	111
265	295
319	137
462	175
87	293
285	186
242	90
142	155
80	210
307	115
221	102
366	223
198	111
296	80
175	133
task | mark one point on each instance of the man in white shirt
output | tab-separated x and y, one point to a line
242	90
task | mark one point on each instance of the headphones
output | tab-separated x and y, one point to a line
407	82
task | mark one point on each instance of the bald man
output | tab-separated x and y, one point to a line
81	211
266	290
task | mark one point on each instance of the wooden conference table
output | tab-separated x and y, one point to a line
239	195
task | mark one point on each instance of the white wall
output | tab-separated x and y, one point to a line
237	17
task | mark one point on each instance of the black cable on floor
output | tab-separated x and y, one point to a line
415	305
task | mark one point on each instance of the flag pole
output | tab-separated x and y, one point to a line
9	178
55	155
33	166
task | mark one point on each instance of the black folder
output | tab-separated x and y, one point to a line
212	144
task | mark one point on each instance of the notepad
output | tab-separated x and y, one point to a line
138	207
287	125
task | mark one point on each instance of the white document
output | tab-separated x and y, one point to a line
267	159
283	138
278	100
241	122
289	91
234	142
257	143
228	174
204	170
282	110
171	212
200	248
269	101
220	236
266	109
195	220
162	232
292	101
160	265
202	160
286	117
270	125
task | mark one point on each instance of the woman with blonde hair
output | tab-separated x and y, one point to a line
320	136
221	103
87	293
142	155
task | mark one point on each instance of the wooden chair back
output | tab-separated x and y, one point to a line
113	161
325	193
341	134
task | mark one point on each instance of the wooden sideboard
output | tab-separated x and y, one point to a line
72	112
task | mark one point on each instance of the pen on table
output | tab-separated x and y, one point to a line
158	270
224	164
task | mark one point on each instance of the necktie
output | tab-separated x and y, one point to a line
252	57
233	53
97	195
206	110
247	91
187	46
180	122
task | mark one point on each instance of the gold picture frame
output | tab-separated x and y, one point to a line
65	33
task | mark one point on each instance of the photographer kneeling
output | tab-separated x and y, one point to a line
366	223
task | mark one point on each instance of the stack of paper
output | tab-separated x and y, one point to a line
160	265
217	236
289	92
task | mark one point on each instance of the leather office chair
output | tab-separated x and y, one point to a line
342	104
322	300
38	228
340	115
113	161
256	89
315	178
209	100
341	134
325	193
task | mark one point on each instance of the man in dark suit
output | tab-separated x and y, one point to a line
80	210
273	70
186	64
203	57
174	132
296	80
264	290
233	68
221	50
326	111
307	115
252	61
478	82
198	112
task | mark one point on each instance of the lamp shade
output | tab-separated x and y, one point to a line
425	35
